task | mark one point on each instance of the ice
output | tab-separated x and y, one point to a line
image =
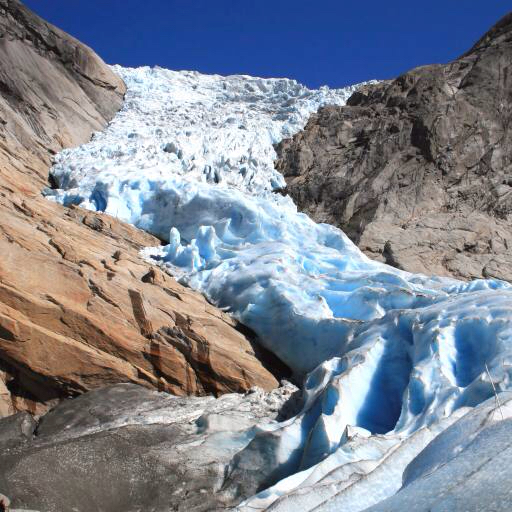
466	467
389	358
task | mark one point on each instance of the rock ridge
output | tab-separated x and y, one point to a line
417	170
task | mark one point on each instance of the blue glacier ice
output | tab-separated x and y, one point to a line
385	354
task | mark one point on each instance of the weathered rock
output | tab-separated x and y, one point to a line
417	170
16	429
77	308
125	448
54	92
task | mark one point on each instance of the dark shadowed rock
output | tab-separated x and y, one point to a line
418	170
16	429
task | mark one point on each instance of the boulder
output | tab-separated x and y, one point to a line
126	448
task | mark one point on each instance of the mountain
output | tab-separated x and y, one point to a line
78	308
417	170
405	378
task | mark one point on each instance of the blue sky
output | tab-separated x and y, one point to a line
316	42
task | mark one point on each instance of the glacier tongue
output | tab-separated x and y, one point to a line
387	353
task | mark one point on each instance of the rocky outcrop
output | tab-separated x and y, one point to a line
54	92
125	448
79	308
417	170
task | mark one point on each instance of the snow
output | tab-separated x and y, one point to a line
388	355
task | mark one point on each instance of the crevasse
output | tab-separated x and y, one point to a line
385	352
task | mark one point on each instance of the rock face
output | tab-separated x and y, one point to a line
54	93
125	448
79	308
417	170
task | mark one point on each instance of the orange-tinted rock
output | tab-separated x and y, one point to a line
79	308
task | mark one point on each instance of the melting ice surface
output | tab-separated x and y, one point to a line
387	355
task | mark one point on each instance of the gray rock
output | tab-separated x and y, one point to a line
5	503
126	448
16	430
418	170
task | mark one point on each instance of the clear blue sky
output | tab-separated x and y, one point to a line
333	42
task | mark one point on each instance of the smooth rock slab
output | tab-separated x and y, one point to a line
125	448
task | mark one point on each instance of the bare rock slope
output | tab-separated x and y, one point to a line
125	448
418	170
79	309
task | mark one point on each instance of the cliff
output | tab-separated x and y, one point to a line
417	170
79	309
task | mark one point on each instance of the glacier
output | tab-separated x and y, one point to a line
389	359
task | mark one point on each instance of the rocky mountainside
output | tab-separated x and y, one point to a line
418	170
406	402
79	308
